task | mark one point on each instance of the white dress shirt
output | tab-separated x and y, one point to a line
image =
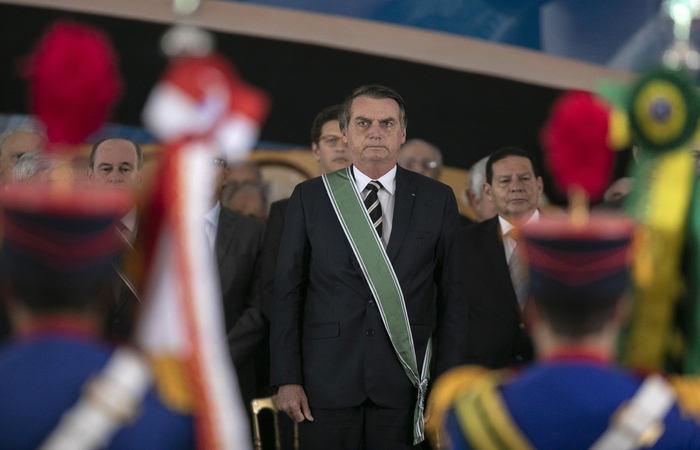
130	222
385	195
211	225
508	242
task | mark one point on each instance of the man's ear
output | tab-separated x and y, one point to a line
314	151
344	132
90	174
540	187
403	137
487	190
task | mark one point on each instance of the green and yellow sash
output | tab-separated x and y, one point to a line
382	281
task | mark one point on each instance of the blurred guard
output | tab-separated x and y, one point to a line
62	386
572	397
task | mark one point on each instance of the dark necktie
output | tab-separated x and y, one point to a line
374	208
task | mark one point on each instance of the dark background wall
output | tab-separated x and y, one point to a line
466	115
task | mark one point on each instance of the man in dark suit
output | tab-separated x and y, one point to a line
496	284
115	164
332	357
236	242
332	154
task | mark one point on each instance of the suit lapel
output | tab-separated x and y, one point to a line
403	205
495	253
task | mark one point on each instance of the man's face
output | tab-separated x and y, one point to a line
15	146
331	152
420	158
514	189
374	135
116	166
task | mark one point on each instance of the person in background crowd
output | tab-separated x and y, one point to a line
495	274
244	190
235	240
483	207
13	144
421	157
332	357
425	158
332	154
34	166
115	164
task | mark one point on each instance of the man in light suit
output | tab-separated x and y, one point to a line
332	357
236	241
497	336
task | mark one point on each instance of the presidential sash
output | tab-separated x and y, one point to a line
383	283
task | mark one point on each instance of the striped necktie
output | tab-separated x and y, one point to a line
374	208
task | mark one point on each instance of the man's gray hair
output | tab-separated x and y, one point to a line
32	164
26	128
477	176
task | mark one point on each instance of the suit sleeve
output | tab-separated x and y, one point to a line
251	328
452	312
290	288
270	252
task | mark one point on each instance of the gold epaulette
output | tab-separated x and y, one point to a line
444	392
687	390
172	384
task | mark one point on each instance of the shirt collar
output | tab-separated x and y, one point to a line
507	226
388	180
129	220
213	215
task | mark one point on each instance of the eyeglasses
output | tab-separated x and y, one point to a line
426	164
219	162
331	140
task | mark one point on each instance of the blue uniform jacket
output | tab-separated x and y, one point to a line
568	404
41	377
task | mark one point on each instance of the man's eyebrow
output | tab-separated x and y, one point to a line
126	163
104	165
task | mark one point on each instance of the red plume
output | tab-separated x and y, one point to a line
575	143
74	82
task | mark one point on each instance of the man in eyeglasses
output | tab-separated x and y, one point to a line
421	157
327	144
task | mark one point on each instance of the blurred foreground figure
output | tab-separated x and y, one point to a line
56	366
572	397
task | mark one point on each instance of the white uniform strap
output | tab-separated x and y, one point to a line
110	400
639	422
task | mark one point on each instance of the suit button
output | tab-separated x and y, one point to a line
369	332
116	320
371	303
519	358
522	326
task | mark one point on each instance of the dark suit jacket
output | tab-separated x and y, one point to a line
270	252
238	246
496	334
340	351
